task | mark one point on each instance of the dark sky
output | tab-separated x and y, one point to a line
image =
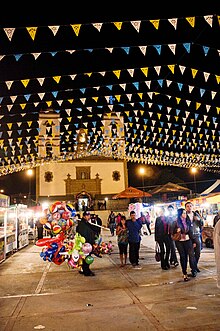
67	14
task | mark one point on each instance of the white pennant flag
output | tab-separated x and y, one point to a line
173	21
54	29
209	19
136	25
98	26
9	32
35	55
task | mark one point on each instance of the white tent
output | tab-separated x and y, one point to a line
212	188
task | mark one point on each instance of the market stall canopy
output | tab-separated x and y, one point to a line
213	188
131	192
169	188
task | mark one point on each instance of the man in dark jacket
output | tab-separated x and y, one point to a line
161	234
134	226
86	230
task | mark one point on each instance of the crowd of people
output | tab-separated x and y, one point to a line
184	250
175	231
181	232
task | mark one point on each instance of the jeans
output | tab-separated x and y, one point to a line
185	250
197	249
112	228
164	244
173	257
134	253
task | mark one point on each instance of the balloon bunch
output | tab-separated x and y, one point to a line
59	218
100	248
63	246
78	251
52	249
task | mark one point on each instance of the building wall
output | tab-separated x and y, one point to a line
60	171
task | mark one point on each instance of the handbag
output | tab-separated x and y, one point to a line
176	236
157	252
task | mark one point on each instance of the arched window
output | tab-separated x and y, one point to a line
49	150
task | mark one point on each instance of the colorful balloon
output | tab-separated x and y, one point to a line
86	248
89	259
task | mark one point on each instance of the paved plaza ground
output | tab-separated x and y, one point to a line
39	295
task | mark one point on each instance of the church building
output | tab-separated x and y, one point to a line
85	181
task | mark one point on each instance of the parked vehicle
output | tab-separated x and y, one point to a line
207	236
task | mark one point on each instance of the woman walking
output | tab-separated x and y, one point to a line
184	244
122	233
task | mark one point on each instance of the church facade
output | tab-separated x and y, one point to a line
86	182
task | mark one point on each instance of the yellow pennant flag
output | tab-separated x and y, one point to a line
171	67
70	100
194	72
118	25
117	73
57	78
22	105
25	82
191	21
198	104
155	23
49	103
217	78
88	74
96	99
76	28
145	71
118	97
140	95
32	32
9	125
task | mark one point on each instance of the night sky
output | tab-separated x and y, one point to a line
18	182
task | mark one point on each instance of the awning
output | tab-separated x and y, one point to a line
131	192
169	188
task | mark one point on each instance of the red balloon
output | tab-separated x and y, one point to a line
47	241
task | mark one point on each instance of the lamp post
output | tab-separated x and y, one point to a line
29	174
194	171
142	173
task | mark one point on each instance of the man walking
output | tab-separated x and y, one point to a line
171	219
86	230
134	226
197	224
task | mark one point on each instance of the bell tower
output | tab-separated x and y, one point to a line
49	134
113	135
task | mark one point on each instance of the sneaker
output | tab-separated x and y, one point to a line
176	264
193	274
197	270
138	267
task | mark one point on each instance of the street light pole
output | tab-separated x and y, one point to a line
194	171
29	174
142	172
